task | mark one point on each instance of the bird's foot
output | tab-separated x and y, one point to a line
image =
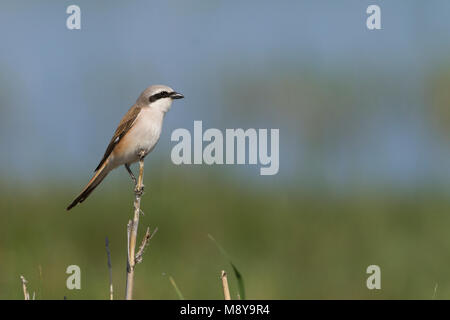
139	191
142	154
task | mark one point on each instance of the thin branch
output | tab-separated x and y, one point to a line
145	242
108	254
226	290
24	286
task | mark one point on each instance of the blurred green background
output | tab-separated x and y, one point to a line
364	146
292	245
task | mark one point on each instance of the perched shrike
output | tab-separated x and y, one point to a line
137	133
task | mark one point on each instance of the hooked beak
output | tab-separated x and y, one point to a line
176	95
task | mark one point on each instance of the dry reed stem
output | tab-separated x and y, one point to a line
24	286
132	231
226	290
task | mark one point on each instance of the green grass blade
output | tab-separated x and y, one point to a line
237	274
240	281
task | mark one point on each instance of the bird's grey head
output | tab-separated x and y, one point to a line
159	97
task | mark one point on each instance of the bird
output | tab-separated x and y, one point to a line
135	137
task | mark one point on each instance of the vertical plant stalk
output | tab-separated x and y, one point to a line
226	290
132	230
24	286
108	254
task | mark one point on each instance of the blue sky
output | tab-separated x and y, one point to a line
63	92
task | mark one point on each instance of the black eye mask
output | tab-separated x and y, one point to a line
159	95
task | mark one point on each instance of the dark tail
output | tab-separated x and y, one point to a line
98	177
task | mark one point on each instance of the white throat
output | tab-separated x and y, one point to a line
162	105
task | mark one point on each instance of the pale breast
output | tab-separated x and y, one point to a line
143	135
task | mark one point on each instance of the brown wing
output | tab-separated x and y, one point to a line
125	124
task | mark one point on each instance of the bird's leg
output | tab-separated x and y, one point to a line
131	173
139	190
